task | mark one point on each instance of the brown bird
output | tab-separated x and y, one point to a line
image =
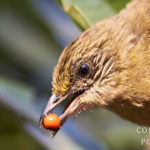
108	66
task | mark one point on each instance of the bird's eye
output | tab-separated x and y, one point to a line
84	70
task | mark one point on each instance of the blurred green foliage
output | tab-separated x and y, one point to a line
84	14
11	134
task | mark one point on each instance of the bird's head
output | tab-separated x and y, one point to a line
86	72
106	66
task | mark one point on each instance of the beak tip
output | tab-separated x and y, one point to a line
40	125
52	136
54	133
40	121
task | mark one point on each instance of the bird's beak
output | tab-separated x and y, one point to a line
51	105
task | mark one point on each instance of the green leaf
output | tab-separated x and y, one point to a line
117	4
86	13
79	18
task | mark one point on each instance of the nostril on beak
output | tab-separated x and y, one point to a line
55	100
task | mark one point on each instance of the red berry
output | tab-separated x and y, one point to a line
51	121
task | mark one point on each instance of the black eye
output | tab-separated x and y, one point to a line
84	70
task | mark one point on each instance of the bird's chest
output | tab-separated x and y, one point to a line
139	114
